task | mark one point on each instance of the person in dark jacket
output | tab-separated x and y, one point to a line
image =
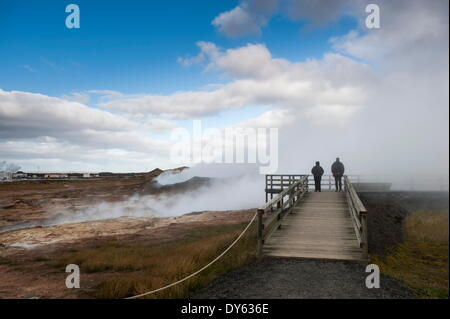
317	171
338	169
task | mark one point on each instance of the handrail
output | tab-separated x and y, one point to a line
275	209
358	213
277	183
328	181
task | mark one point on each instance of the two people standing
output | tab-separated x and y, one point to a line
337	169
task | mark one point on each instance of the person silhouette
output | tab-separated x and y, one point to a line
317	172
338	169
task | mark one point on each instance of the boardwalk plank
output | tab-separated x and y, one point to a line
320	226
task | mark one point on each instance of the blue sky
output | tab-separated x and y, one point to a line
108	95
131	46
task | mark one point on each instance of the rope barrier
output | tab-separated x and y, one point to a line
200	270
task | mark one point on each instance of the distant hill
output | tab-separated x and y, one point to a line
153	187
157	171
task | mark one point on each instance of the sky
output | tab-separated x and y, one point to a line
107	96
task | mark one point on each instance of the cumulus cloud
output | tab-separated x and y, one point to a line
24	114
258	78
410	26
250	16
79	97
46	128
245	19
273	118
50	153
320	12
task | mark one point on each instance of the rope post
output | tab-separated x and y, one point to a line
259	232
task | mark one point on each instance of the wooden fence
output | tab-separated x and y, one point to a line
275	184
272	212
358	213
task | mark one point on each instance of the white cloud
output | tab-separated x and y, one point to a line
28	113
245	19
79	97
269	119
238	22
319	13
28	67
44	128
403	127
258	79
250	16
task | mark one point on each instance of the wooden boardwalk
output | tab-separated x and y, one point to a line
318	226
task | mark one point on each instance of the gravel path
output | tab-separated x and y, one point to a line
275	278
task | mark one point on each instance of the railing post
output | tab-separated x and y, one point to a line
259	232
271	186
266	189
307	183
364	235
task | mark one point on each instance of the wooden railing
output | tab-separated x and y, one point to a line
272	212
275	184
358	213
328	181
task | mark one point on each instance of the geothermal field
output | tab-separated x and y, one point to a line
42	221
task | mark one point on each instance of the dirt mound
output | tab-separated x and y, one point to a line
157	171
152	174
153	187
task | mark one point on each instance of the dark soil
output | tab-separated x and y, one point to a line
277	278
387	210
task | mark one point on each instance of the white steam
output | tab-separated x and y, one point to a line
244	191
212	170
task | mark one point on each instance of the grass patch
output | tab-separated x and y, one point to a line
4	261
146	266
7	261
421	261
427	226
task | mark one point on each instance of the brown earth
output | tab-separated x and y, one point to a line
28	201
26	255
